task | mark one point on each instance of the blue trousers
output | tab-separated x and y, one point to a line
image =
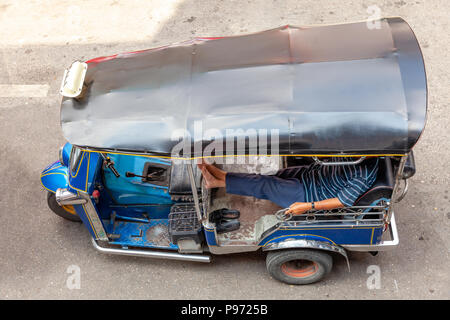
283	188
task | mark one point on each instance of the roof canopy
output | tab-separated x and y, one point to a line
312	90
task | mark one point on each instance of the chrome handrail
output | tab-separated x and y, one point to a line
338	163
404	192
346	214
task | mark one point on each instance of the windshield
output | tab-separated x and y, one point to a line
75	157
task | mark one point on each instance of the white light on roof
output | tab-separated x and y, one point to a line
72	83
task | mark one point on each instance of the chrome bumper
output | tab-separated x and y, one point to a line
65	198
383	245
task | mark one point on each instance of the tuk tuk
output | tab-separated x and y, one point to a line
137	123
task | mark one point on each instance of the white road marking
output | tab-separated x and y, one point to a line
23	90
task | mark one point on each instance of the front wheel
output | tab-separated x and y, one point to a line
299	266
66	212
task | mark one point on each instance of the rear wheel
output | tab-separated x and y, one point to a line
300	266
66	212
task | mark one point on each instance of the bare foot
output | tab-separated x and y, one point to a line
210	180
216	172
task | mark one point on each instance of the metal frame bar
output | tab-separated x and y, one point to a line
383	245
354	214
168	157
194	190
404	192
398	176
152	254
94	218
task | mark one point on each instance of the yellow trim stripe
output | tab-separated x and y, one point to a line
248	155
47	189
76	188
47	174
87	172
87	175
359	228
58	166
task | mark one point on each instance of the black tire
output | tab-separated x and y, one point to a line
299	266
64	212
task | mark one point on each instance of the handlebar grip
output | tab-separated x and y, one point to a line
114	171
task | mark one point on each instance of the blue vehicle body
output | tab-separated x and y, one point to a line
132	210
138	206
344	235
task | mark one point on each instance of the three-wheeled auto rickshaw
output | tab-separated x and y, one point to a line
137	123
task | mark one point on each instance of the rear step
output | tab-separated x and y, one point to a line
152	254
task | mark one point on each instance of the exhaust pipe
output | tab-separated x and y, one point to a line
152	254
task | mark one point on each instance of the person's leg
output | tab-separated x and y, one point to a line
281	188
283	192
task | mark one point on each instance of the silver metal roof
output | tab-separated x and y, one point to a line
325	89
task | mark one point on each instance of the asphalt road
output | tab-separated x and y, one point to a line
39	39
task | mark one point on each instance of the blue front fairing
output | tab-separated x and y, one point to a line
54	176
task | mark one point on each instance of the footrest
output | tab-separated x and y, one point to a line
183	223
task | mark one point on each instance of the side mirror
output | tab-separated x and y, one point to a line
410	167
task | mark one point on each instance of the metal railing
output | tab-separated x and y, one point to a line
357	215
